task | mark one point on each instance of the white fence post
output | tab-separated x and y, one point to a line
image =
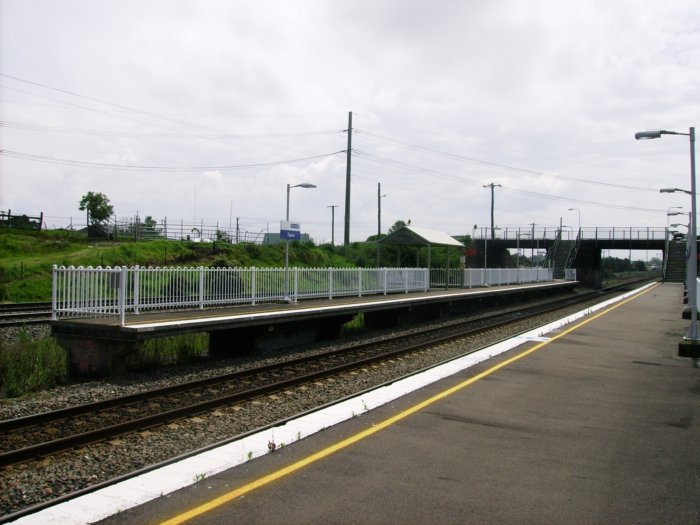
296	284
252	285
113	291
201	288
122	296
54	291
330	282
136	289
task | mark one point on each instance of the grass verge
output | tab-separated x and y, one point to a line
31	365
164	351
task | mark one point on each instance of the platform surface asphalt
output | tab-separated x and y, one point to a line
148	319
598	425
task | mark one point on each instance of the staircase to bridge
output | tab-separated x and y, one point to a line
675	264
581	249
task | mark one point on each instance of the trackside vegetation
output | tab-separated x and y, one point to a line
28	365
27	258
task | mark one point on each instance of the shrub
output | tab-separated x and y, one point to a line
169	350
30	366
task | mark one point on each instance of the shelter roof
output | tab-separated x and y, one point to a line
407	235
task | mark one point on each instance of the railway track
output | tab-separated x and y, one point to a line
20	314
41	435
29	486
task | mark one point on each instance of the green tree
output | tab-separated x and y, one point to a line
98	207
397	226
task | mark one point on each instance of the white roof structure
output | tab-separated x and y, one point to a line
420	236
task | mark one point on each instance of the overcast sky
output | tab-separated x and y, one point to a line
206	110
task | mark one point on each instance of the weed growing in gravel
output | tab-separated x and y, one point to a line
357	324
31	365
169	350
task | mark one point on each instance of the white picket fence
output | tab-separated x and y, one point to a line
114	292
476	277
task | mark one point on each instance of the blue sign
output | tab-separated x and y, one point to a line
290	231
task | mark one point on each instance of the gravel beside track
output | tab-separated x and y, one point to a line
30	483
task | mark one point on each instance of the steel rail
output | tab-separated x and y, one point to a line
61	444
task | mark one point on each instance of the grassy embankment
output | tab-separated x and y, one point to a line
26	262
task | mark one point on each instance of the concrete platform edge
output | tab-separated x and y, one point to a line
141	489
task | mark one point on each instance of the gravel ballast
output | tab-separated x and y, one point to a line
31	483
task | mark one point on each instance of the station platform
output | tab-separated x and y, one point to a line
98	346
595	421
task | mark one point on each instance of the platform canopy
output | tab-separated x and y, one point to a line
409	235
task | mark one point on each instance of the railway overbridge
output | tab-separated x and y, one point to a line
562	248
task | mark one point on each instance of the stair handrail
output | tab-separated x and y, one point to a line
664	265
552	252
573	251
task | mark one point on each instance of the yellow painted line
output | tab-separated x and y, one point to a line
313	458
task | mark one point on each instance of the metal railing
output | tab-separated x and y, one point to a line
114	292
476	277
616	233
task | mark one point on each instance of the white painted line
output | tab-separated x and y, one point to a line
316	309
132	492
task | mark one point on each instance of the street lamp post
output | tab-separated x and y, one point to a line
690	346
669	213
517	249
492	186
379	217
579	218
332	207
286	242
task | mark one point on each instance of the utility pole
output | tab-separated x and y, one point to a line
493	228
332	207
379	217
347	180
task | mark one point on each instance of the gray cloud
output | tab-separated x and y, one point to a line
547	86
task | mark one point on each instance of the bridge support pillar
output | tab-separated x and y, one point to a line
91	357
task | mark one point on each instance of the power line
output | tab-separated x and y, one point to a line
100	165
139	134
265	146
434	173
388	140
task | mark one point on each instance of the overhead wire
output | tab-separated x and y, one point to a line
101	165
219	136
141	134
388	140
266	147
431	172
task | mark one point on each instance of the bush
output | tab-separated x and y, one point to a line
356	325
30	366
169	350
